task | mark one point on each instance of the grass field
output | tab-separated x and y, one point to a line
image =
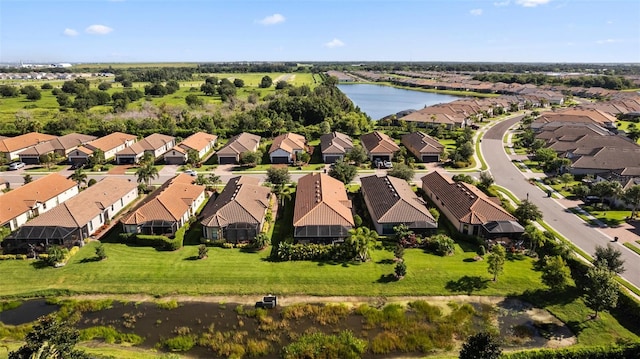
47	107
229	271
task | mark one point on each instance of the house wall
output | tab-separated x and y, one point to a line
112	152
443	209
280	153
110	211
46	206
174	157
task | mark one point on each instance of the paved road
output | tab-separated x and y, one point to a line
557	216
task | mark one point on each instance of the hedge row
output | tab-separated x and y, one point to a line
156	241
602	352
310	252
5	257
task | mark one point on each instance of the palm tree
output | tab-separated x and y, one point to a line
362	240
79	177
146	173
282	193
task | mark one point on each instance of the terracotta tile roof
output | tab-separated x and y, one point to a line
110	141
12	144
149	143
393	201
243	200
240	143
420	143
23	198
576	115
198	141
168	203
289	142
63	143
378	142
321	200
466	202
88	204
335	143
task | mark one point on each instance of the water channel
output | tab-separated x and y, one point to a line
379	101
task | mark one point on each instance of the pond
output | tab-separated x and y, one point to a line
27	312
217	329
379	101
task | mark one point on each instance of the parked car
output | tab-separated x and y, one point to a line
16	165
191	172
387	164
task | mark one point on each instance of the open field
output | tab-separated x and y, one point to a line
47	107
230	271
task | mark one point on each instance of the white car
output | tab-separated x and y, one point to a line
191	172
16	165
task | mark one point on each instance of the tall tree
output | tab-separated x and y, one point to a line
53	337
146	173
610	258
400	170
266	82
480	346
495	260
600	289
566	178
527	212
555	273
278	176
343	171
632	197
357	155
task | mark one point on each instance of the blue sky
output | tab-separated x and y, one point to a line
320	30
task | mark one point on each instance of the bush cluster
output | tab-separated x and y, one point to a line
158	242
4	257
310	252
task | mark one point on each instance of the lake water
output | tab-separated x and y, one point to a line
379	101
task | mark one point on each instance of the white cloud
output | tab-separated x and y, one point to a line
476	12
272	20
532	3
334	43
608	41
70	32
502	3
98	30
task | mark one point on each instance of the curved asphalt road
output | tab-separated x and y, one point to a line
566	223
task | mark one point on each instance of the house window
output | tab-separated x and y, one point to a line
90	226
121	203
214	233
44	205
465	228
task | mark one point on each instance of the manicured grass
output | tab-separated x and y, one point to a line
55	168
611	218
448	143
632	247
130	270
560	187
534	166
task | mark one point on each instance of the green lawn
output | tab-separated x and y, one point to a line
130	270
632	247
611	218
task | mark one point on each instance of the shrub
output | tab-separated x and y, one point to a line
385	343
203	251
441	245
110	335
400	270
257	348
180	343
319	345
168	305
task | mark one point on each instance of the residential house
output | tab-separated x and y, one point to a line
423	146
109	145
61	146
10	147
78	218
604	159
575	116
379	146
35	198
200	142
238	213
155	144
469	209
322	211
334	146
167	209
391	202
285	148
236	146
